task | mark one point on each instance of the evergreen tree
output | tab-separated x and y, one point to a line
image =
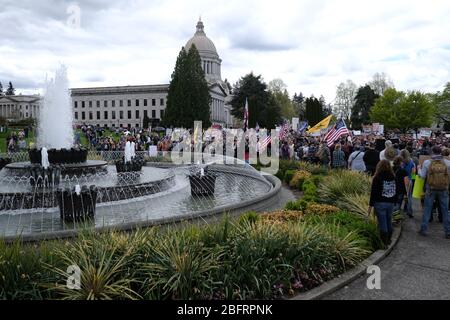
261	106
188	98
364	101
299	105
1	89
314	112
198	89
10	91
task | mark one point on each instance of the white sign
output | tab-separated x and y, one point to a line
295	122
357	132
381	129
447	135
168	132
153	151
425	133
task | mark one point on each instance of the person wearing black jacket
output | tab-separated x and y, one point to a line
371	158
383	196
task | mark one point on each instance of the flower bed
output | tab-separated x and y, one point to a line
265	256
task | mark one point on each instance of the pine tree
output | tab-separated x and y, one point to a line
188	98
262	106
1	89
10	91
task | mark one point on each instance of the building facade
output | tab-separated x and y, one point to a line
127	106
19	106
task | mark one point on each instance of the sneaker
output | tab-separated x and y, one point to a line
422	233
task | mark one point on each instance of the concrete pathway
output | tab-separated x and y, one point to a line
417	268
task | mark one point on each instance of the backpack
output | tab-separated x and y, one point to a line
438	176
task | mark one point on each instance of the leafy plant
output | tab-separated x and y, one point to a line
341	183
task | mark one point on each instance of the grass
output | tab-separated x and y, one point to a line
4	135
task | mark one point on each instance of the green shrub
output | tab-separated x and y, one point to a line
343	182
252	217
293	205
288	175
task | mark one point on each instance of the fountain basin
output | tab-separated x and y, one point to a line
59	156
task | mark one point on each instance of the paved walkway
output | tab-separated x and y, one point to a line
417	268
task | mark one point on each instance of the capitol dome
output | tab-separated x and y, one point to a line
211	63
204	45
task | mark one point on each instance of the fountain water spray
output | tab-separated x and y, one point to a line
56	119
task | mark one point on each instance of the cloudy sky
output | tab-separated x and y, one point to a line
312	45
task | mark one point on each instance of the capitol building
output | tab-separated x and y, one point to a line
127	106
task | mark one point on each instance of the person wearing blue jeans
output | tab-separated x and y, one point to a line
383	211
430	197
383	196
433	171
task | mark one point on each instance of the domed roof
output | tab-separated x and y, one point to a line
202	42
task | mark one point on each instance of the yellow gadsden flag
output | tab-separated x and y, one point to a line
321	125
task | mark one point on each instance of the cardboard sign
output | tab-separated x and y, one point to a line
153	151
295	122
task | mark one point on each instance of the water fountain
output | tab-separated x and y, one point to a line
59	190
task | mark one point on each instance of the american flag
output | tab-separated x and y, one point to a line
246	115
284	130
264	143
337	131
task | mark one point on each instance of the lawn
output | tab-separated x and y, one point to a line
4	135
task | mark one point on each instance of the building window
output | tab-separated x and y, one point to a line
161	102
75	104
98	115
90	115
145	114
113	125
113	115
145	102
113	103
161	112
137	125
90	104
98	104
137	102
106	115
105	103
121	103
83	116
153	102
129	114
26	114
129	103
121	125
76	115
153	114
121	114
137	114
83	105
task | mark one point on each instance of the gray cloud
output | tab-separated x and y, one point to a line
311	45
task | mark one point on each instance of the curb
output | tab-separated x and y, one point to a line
342	280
